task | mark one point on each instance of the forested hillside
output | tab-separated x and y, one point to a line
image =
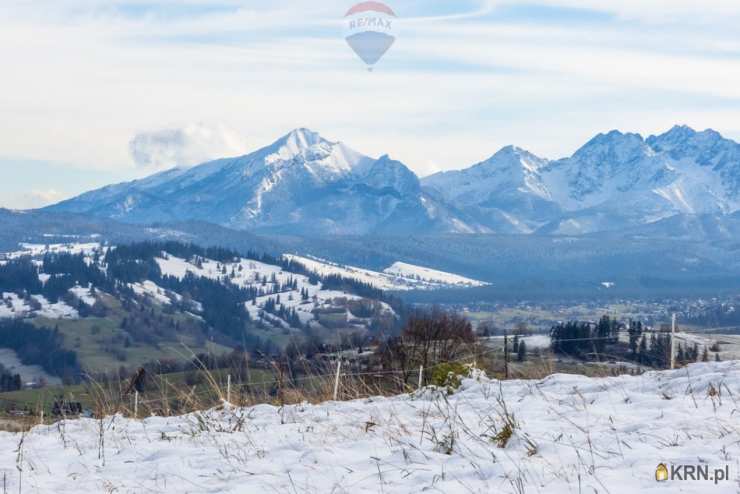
124	305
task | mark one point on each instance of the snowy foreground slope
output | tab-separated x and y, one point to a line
574	434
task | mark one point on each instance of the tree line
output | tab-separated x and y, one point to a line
597	341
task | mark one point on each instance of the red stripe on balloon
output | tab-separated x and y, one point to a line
370	6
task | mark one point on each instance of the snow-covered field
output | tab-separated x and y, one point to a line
431	277
572	434
41	249
13	306
400	276
729	345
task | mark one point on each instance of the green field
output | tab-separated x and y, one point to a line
169	386
103	346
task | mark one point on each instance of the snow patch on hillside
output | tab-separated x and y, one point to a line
273	281
148	288
37	250
293	296
83	294
13	306
572	434
30	374
398	277
431	276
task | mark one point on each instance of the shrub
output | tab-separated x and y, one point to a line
449	374
501	438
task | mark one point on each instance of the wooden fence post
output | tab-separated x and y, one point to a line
228	388
506	354
336	379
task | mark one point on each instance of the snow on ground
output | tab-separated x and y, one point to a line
400	276
13	306
59	310
572	434
29	373
432	277
83	294
269	280
244	272
267	277
41	249
150	289
729	345
534	341
537	341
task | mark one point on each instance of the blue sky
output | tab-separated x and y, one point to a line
86	82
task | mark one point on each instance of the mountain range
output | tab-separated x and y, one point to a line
614	181
304	184
301	184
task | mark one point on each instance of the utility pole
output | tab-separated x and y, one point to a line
673	341
506	354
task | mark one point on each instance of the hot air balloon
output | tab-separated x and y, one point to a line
370	31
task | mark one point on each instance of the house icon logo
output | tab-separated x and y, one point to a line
661	473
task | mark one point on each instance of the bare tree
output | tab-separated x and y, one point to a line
437	337
428	338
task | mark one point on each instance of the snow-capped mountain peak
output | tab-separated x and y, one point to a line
387	172
613	148
498	192
707	147
677	134
615	180
304	147
298	142
302	138
301	183
514	158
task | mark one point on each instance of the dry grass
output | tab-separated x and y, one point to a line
285	386
544	363
17	425
164	398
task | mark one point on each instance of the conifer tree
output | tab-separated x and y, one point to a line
643	350
521	353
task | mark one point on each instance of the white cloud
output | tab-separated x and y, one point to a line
186	146
34	199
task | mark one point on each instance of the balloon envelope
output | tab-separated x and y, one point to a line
370	6
370	30
370	46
